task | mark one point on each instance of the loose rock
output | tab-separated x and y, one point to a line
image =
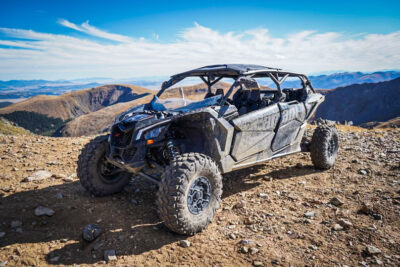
253	250
345	224
337	227
44	211
91	232
244	250
263	195
184	243
366	209
310	214
240	204
371	250
377	216
54	259
109	255
246	242
15	224
37	176
336	202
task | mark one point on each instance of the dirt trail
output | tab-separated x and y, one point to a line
287	219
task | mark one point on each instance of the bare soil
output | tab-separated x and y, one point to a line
276	196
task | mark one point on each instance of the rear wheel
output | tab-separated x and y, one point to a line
324	146
190	193
96	174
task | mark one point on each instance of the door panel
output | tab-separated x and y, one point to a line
254	131
292	117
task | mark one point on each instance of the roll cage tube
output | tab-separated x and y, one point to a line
210	81
278	77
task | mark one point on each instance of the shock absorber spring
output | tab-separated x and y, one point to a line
172	150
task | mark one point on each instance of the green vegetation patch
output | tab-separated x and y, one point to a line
35	122
5	104
7	128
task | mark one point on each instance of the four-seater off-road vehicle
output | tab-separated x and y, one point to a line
187	137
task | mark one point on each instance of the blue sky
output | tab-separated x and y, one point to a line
143	29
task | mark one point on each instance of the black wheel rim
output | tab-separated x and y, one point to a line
332	147
108	172
199	195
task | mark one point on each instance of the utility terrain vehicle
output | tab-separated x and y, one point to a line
184	142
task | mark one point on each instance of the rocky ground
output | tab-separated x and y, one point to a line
281	213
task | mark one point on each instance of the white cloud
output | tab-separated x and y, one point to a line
29	54
86	28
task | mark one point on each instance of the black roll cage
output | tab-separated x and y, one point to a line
210	75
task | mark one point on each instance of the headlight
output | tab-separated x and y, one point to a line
153	133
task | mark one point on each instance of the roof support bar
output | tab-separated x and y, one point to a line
209	84
225	97
283	78
204	80
216	80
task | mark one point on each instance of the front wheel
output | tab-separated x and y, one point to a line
96	174
189	193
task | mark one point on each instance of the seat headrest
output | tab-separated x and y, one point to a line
219	91
254	95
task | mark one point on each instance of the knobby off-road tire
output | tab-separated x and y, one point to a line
94	171
324	146
181	178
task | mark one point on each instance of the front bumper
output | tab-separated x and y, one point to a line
124	152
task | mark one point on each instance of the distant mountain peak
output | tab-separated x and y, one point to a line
347	78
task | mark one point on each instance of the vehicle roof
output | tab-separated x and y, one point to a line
229	70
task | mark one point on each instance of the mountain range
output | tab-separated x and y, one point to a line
73	104
361	103
92	111
347	78
22	89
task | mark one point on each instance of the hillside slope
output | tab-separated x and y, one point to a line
394	123
99	121
9	128
362	103
74	104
